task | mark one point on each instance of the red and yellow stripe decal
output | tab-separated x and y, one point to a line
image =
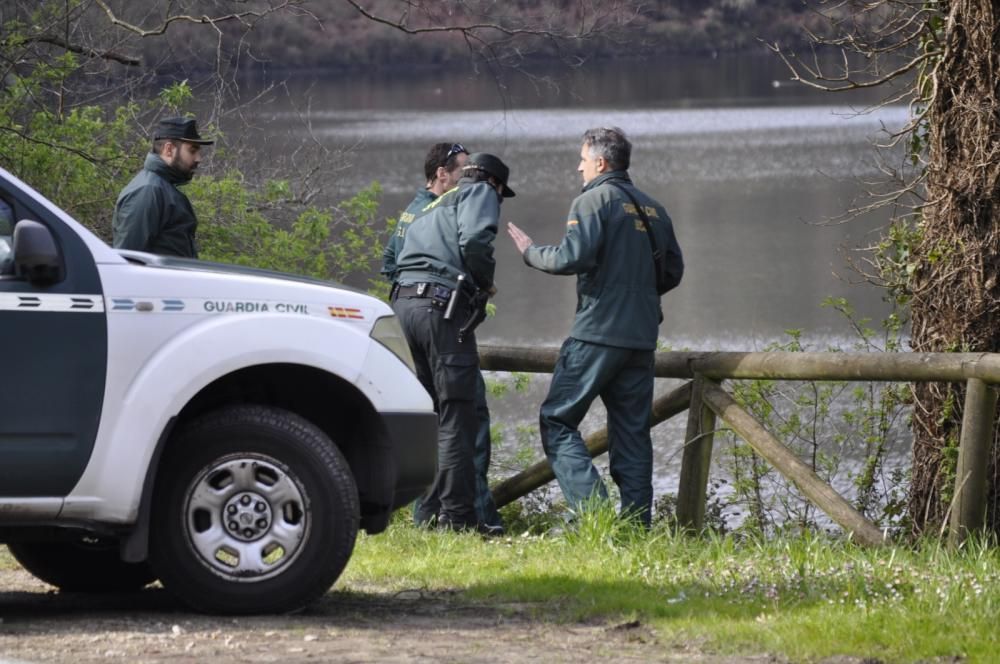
345	312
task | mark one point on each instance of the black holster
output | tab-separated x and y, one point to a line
477	313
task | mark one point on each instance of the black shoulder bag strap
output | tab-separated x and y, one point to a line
659	268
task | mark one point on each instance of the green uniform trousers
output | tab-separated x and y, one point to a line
623	378
449	371
486	510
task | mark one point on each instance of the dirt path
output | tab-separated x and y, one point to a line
40	625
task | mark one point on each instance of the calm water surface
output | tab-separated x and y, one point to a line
748	165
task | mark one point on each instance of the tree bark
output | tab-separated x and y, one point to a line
955	286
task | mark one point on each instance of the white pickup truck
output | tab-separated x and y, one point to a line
224	430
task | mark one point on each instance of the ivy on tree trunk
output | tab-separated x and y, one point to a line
955	283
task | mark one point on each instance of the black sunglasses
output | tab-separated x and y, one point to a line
457	148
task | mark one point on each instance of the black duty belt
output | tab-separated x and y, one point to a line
427	289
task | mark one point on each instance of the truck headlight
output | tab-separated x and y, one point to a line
387	332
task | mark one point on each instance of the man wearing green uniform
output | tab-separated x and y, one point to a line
609	352
442	171
445	259
151	213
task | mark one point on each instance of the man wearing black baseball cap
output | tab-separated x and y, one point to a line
444	274
151	213
496	172
443	168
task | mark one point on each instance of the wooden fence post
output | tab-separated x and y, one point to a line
968	508
980	370
696	460
785	462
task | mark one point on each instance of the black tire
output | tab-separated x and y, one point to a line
90	565
255	511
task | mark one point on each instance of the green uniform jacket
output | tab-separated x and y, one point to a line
607	247
395	243
454	235
153	215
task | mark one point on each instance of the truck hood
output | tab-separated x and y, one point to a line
184	286
176	263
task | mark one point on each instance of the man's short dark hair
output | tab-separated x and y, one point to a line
442	154
610	143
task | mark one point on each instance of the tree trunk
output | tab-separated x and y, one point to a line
955	287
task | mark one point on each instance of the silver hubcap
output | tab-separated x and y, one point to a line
246	517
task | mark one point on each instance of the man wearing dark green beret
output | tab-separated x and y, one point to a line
151	213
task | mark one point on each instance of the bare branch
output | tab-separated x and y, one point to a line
200	20
54	146
84	50
816	73
403	24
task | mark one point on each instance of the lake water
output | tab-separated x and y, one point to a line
750	167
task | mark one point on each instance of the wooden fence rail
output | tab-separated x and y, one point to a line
705	400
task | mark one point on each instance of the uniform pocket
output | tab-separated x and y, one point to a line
457	376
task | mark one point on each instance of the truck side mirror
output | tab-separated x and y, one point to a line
36	256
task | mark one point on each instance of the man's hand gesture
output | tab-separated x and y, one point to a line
520	238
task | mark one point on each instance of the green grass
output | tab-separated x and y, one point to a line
803	598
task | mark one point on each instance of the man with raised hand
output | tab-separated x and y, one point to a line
617	240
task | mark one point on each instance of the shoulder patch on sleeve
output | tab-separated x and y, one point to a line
573	222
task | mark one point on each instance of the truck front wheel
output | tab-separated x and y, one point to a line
255	511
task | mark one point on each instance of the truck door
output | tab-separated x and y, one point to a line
53	358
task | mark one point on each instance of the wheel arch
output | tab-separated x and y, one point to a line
331	403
